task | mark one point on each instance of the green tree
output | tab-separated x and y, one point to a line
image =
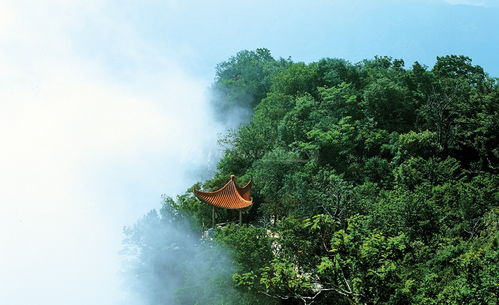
373	184
243	80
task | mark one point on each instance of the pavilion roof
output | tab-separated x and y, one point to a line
230	196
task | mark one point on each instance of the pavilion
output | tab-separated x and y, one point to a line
230	196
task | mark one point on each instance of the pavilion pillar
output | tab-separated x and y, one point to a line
240	217
213	217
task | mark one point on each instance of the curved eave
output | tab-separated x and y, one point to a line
226	204
228	197
245	191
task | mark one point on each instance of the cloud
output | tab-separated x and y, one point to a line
86	148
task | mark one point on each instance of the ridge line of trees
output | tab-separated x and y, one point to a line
373	184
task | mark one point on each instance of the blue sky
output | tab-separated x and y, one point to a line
200	34
103	108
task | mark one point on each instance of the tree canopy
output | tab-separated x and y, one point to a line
373	183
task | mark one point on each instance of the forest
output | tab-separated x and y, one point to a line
374	183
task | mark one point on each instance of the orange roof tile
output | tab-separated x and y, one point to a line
230	196
245	191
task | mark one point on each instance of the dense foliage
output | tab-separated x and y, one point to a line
373	183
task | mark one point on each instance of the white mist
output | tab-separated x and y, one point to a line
85	150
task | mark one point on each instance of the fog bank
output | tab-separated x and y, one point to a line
85	148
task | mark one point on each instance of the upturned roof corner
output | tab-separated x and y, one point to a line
230	196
